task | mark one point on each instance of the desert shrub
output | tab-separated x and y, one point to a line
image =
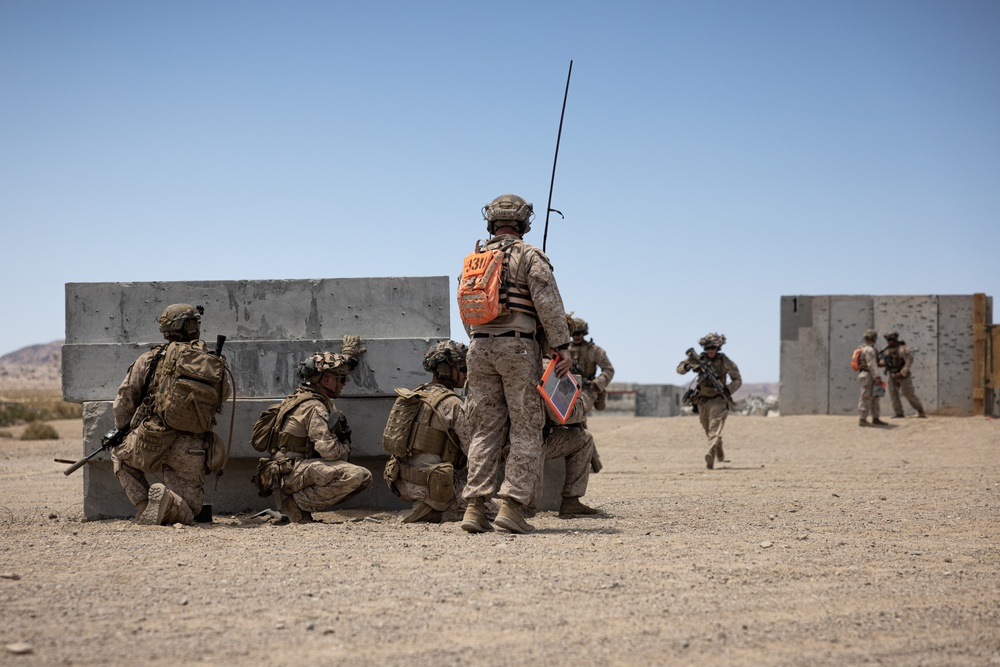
39	431
6	434
17	413
65	410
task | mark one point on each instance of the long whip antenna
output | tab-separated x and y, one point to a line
555	160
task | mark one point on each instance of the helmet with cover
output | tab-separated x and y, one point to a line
892	336
715	340
508	210
181	321
313	367
870	335
443	356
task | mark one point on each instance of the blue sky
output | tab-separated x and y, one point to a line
715	155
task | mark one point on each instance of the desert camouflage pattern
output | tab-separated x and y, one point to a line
901	382
573	442
511	210
501	383
175	315
868	402
590	357
530	266
713	408
503	373
716	339
183	464
318	483
445	352
452	410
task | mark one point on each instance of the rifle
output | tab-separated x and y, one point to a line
713	378
548	208
111	439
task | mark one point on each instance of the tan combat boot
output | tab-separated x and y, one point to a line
573	507
475	520
862	422
710	460
157	504
294	513
511	518
719	455
420	512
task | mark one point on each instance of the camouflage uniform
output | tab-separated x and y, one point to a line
505	364
182	465
320	475
573	442
589	356
898	362
868	402
449	417
713	407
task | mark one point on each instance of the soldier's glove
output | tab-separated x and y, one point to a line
352	347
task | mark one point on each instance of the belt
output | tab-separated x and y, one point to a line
506	334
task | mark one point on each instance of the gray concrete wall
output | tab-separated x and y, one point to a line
819	334
270	327
658	400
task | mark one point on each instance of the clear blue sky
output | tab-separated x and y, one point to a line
715	155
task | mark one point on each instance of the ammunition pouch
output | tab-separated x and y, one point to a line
391	474
439	479
216	455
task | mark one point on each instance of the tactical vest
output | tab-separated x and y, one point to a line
514	291
297	444
718	364
409	426
581	355
894	361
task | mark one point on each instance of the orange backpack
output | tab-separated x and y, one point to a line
480	287
856	359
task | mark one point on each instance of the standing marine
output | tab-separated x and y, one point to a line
712	396
869	383
505	365
898	368
589	357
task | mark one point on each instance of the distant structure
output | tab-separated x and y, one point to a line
270	326
951	336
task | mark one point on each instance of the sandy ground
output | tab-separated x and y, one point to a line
818	543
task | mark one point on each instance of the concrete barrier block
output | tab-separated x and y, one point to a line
916	319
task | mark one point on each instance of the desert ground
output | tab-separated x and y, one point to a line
818	543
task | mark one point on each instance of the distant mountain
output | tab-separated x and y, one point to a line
36	367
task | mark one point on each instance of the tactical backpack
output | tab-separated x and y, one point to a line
856	359
480	286
190	381
266	429
408	427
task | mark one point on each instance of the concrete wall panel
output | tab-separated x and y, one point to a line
805	355
323	309
954	361
658	400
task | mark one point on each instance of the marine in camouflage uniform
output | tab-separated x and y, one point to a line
898	368
505	364
314	440
868	378
575	443
179	498
588	357
442	443
713	405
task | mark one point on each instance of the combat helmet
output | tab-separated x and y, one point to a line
446	352
181	321
712	340
312	368
508	210
579	327
892	336
870	334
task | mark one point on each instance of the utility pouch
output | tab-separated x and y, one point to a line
152	440
391	474
441	482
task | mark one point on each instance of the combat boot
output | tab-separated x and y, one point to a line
475	520
718	453
878	422
921	415
510	518
572	507
710	460
139	509
862	422
420	512
294	513
899	416
157	504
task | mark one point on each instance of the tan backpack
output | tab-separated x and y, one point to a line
190	382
